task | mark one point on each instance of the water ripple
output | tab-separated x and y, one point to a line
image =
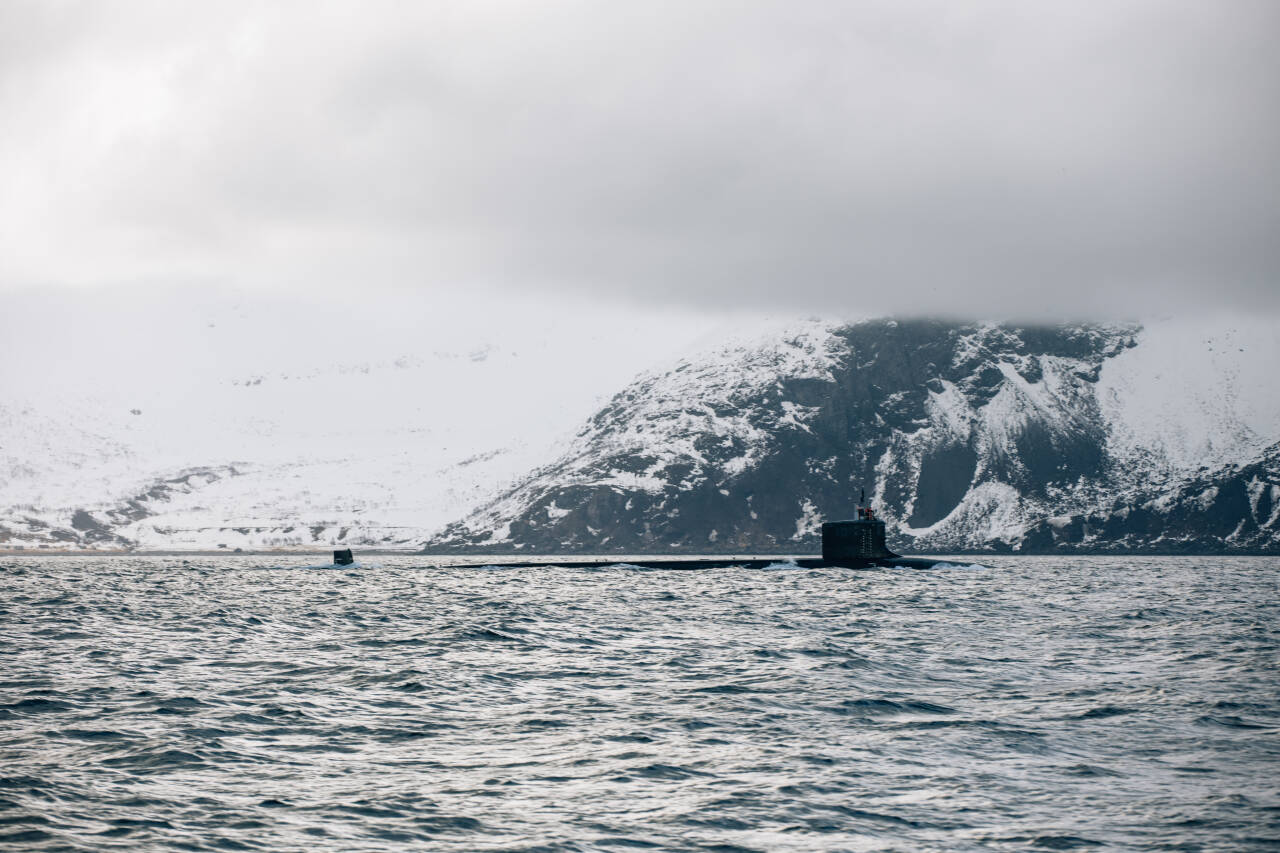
241	704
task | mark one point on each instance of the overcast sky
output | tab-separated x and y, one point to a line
1070	159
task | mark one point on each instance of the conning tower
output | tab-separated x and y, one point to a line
855	541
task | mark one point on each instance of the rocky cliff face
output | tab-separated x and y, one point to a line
965	436
1232	509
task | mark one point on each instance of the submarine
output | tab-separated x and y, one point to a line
858	543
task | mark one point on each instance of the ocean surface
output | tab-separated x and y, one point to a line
241	704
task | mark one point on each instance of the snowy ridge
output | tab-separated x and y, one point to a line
969	437
668	429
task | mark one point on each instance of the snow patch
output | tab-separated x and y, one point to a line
810	521
1194	393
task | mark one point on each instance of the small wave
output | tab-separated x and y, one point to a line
400	675
392	641
729	688
888	706
449	824
634	737
132	822
411	687
1229	721
25	836
667	771
1090	770
1144	614
38	705
91	735
272	716
64	598
1063	842
1229	705
164	759
21	783
486	634
421	732
1005	729
1103	712
539	723
370	810
179	705
878	817
69	635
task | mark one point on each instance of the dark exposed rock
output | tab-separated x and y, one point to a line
970	437
100	528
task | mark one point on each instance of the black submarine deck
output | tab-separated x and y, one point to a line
853	544
695	563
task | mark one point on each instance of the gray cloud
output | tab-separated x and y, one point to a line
1069	159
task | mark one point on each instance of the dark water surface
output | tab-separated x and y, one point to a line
216	704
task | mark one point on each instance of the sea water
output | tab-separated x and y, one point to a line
241	704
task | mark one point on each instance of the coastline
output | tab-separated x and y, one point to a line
551	559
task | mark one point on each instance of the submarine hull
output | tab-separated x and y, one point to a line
693	564
858	544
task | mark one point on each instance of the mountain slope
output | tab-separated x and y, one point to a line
967	437
210	421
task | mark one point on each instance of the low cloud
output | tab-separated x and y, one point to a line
983	158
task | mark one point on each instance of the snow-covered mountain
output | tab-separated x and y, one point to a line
207	422
965	436
231	432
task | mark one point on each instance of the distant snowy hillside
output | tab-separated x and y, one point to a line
966	437
212	424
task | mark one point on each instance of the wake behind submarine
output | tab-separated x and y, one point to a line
855	544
